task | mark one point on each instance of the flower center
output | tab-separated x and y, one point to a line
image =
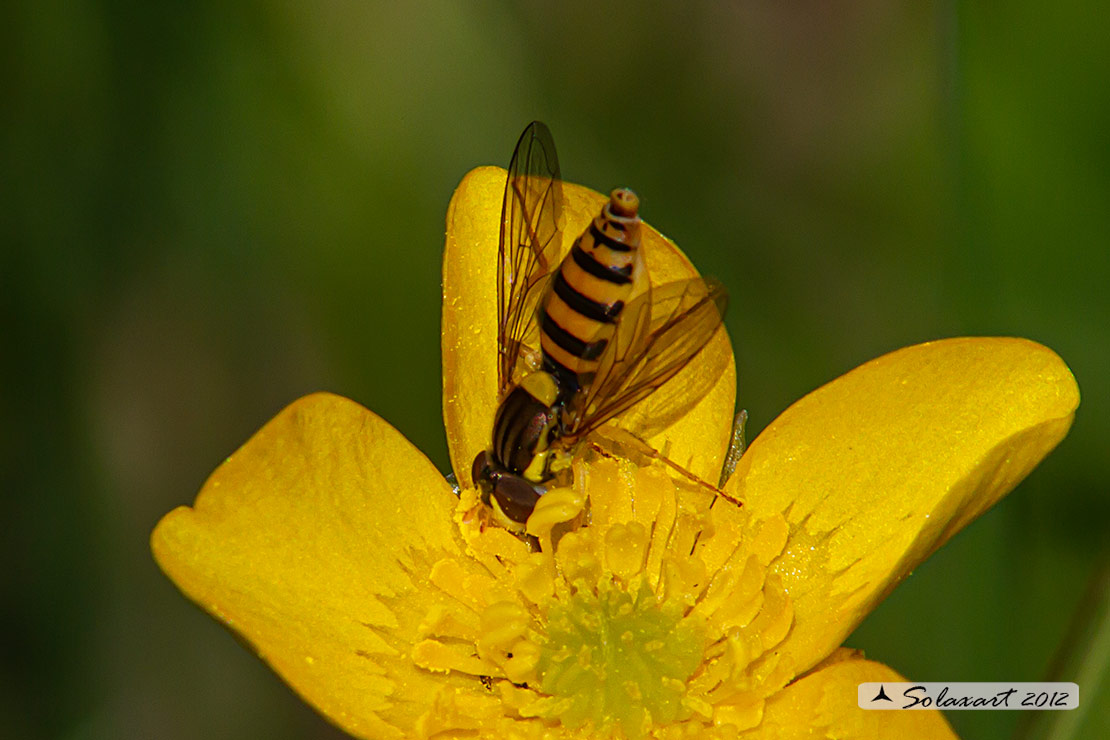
644	611
615	656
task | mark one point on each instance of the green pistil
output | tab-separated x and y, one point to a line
611	658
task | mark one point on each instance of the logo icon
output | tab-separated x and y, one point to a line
882	695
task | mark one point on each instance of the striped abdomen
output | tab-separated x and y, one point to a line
588	292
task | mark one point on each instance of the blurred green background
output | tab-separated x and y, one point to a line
209	210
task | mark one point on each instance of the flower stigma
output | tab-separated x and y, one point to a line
618	656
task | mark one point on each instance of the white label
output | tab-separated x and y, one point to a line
968	695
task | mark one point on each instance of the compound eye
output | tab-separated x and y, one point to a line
481	475
480	470
516	497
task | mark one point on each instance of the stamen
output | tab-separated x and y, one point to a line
643	612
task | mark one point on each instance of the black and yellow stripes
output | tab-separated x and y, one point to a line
582	260
592	285
606	313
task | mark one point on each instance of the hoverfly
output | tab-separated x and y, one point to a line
607	338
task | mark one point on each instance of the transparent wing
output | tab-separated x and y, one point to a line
531	221
657	334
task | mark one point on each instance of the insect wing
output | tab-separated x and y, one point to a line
658	333
531	222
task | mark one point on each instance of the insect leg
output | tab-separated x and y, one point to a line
628	444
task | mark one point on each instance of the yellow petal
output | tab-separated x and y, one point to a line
877	469
698	440
314	542
824	704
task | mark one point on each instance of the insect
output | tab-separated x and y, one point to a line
607	338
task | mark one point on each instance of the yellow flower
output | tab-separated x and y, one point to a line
346	560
